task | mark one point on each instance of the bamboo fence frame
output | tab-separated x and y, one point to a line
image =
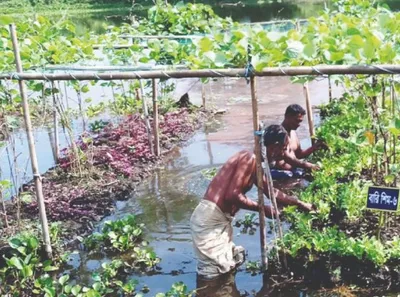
322	70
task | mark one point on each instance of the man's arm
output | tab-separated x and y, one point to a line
284	199
296	163
246	203
301	154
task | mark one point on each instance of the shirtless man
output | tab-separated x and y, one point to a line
211	220
292	158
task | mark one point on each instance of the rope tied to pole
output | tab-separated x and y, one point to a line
383	69
15	76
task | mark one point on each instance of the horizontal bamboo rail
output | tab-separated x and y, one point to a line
271	71
111	68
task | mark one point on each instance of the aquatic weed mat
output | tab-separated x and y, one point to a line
113	162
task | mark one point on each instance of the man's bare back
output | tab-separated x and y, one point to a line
235	179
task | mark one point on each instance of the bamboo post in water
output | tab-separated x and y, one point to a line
155	119
203	95
309	112
146	116
55	124
32	150
330	88
261	210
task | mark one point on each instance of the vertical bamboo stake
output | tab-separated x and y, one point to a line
393	99
55	124
4	212
155	119
51	140
309	112
383	94
203	95
330	88
261	210
146	117
297	24
32	150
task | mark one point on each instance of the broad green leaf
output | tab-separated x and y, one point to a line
309	49
16	262
352	31
259	63
27	271
14	242
369	51
356	42
50	292
33	243
112	235
389	178
50	268
68	289
206	44
274	36
85	89
63	280
93	293
97	286
75	290
220	60
6	20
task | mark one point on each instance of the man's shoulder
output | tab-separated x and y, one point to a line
243	155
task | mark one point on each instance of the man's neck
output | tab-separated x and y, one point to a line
286	127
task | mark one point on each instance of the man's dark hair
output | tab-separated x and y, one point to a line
294	110
274	134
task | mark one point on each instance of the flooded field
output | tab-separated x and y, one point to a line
164	202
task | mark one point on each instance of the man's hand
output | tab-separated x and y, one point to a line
270	213
315	167
320	145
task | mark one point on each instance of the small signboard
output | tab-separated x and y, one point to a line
380	198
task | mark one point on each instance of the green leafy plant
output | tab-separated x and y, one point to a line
120	235
248	224
209	173
253	267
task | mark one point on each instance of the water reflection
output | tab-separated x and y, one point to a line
224	286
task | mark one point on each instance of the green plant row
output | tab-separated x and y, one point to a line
339	189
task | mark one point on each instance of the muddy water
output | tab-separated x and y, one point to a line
164	202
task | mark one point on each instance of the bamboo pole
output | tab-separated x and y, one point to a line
330	88
393	99
155	119
32	150
111	68
269	71
55	124
309	112
260	186
146	116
